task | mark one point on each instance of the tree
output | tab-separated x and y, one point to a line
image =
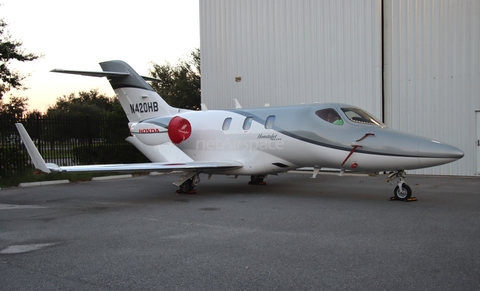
11	49
90	103
15	108
180	84
9	114
90	115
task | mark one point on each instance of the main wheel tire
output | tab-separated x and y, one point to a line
404	193
186	186
256	179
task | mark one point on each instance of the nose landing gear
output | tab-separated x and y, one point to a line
402	191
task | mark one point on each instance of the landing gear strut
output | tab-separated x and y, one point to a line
188	186
257	180
402	191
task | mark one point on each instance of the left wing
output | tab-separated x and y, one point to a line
193	166
143	167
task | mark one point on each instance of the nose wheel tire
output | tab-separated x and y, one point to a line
402	193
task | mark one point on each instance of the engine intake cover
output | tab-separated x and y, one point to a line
179	129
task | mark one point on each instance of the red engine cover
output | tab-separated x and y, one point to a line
179	129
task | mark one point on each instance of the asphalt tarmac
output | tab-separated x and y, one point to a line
295	233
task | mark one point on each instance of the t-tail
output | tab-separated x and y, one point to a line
137	97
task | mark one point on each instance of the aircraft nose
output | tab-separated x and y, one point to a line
436	149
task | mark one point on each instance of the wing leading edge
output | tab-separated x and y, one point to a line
193	166
146	167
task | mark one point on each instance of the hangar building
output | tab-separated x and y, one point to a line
413	63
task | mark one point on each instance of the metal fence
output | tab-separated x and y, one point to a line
66	141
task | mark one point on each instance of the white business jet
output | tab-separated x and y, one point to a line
254	142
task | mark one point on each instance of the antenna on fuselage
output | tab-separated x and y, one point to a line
237	104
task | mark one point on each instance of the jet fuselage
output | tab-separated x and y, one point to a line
277	139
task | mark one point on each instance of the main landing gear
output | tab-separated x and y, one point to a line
402	191
257	180
188	183
189	180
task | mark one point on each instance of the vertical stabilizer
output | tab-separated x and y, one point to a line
138	99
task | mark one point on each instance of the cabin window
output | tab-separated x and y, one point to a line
269	122
330	115
357	115
247	123
226	123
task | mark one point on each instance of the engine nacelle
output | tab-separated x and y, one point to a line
149	134
178	130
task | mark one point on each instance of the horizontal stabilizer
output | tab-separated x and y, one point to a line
138	99
101	74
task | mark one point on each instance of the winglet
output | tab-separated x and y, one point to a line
32	149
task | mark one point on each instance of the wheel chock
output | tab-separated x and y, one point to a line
260	183
180	192
407	200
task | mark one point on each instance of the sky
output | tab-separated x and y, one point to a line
77	35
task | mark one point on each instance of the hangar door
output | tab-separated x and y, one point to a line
432	74
415	63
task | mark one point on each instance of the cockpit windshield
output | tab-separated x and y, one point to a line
357	115
330	115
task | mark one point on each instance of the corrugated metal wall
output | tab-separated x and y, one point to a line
291	52
432	73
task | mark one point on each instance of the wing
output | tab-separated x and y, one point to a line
192	166
145	167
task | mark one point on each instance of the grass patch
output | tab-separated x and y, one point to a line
30	176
